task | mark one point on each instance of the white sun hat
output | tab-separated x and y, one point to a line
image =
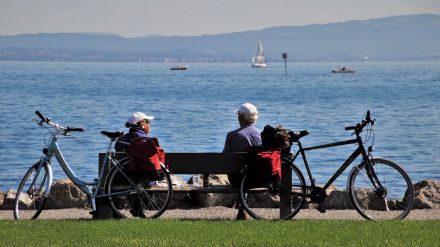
248	110
138	116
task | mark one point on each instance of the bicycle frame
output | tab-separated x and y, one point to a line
358	151
54	150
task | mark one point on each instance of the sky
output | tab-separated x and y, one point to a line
135	18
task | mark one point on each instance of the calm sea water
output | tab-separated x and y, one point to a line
194	109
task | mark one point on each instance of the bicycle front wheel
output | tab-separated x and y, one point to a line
31	194
393	201
138	197
273	201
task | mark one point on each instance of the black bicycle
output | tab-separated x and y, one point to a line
378	188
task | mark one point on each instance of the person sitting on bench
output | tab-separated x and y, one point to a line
139	125
238	140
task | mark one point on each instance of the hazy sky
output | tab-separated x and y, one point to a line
131	18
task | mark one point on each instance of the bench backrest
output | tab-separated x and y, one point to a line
202	163
205	163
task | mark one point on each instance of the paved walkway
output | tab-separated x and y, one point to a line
214	213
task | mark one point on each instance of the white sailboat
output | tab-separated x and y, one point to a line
258	61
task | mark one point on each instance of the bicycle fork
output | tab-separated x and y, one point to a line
40	165
371	173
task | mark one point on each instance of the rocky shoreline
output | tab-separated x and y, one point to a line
65	194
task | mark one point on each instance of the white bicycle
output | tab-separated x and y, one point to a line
127	194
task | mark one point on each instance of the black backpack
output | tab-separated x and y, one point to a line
272	138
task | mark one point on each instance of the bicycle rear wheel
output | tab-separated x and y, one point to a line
139	197
393	201
271	201
31	193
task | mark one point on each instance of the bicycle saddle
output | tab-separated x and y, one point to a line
296	135
112	134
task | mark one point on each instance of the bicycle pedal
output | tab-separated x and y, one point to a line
321	208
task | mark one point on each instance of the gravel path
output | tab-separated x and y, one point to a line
214	213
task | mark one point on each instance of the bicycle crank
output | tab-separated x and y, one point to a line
318	195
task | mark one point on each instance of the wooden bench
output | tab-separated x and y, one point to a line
194	163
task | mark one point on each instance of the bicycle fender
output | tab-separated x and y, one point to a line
46	164
49	180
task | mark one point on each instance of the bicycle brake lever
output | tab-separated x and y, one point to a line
39	122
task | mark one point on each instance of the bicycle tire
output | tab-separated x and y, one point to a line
395	202
262	202
142	198
31	197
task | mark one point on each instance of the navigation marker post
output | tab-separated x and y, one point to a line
285	61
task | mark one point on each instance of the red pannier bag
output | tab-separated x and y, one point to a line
146	157
264	166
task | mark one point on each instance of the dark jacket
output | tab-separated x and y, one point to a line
123	143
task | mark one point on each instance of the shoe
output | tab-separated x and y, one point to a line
134	212
241	215
136	209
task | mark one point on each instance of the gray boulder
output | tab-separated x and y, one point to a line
427	194
179	200
338	199
8	200
64	194
213	199
2	197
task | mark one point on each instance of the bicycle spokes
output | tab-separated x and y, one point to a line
391	199
31	194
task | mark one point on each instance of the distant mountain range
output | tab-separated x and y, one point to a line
409	37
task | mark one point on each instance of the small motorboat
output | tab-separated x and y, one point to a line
179	67
343	70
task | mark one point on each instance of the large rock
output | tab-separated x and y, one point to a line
64	194
2	197
9	198
179	200
427	194
213	199
338	199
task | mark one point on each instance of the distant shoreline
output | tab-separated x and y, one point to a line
229	62
394	38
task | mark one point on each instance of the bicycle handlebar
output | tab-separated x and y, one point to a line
359	127
47	121
350	128
74	129
43	119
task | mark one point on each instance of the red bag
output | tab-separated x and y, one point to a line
264	165
146	156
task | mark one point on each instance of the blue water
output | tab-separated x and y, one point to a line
194	109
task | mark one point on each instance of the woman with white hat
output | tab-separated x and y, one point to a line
139	124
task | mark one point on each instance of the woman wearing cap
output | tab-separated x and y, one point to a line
139	124
238	140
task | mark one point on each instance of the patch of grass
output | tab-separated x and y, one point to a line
218	233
